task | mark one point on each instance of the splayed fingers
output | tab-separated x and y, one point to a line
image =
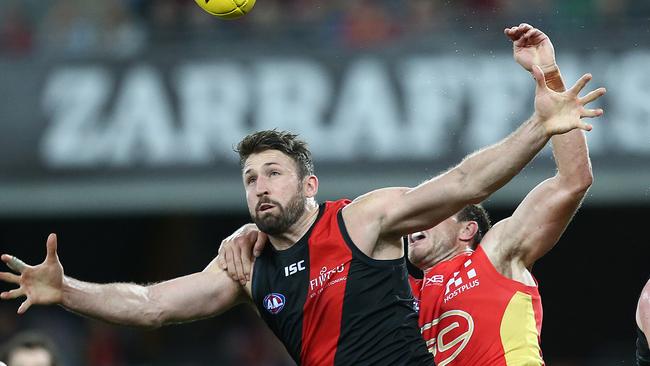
593	95
9	277
579	85
13	294
562	112
24	306
14	263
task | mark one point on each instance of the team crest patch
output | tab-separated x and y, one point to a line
274	303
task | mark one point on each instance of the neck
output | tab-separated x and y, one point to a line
431	262
287	239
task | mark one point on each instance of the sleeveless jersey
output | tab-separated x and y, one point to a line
470	314
330	304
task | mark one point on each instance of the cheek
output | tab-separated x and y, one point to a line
250	199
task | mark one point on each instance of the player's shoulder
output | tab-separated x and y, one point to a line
336	204
373	201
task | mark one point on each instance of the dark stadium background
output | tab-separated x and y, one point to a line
145	220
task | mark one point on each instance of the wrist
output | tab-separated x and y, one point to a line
538	126
554	79
67	288
549	68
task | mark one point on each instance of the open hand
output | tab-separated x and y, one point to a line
531	47
41	284
562	112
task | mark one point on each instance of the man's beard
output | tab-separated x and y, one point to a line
278	224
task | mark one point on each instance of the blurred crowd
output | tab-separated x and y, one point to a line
237	339
125	28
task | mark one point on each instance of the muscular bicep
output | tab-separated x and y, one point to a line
536	225
196	296
398	211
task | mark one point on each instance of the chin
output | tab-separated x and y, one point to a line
414	258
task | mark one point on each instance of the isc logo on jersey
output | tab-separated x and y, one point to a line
294	268
274	303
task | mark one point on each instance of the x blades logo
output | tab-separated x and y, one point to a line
437	280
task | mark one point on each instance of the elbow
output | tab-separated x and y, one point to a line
578	184
579	179
153	321
149	320
587	181
154	315
582	181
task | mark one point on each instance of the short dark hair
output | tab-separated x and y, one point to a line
283	141
478	214
30	341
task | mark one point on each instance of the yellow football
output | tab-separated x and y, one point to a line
226	9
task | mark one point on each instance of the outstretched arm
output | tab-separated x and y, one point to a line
541	218
390	213
183	299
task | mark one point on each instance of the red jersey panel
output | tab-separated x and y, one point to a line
331	305
470	314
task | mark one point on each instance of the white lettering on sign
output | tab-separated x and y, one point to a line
419	107
73	99
140	128
213	102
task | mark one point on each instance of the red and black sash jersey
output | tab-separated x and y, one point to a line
330	304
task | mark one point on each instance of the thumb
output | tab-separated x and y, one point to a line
24	307
51	248
538	74
259	244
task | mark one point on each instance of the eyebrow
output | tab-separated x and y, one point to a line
265	165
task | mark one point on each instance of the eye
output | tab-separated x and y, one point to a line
274	173
250	180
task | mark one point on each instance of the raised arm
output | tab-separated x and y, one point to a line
183	299
387	214
541	218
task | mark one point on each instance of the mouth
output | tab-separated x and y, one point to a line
265	207
416	237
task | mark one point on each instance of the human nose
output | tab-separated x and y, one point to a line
261	189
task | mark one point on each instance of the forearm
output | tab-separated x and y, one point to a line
570	149
118	303
487	170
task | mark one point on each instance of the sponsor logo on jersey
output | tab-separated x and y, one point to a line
274	303
463	280
294	268
447	336
435	280
325	275
326	278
